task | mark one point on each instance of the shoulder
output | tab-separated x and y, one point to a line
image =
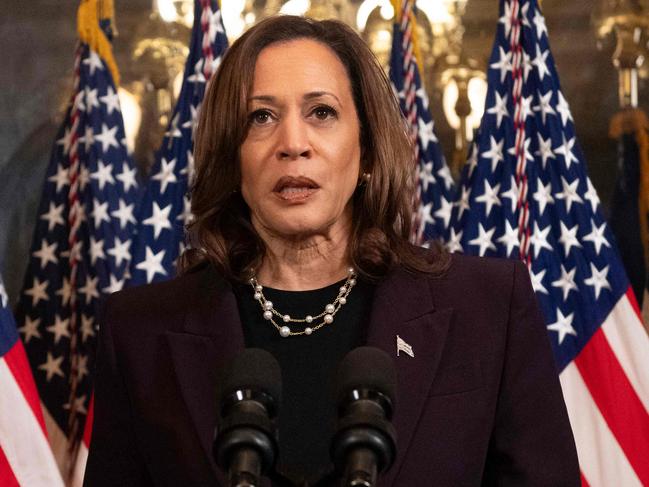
154	306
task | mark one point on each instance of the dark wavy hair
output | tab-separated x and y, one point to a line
221	231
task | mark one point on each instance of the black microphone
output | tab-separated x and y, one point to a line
245	442
365	441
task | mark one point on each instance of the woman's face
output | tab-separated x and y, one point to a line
300	160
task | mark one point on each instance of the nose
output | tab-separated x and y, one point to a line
293	138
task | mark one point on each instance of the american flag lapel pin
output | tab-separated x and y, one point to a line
403	346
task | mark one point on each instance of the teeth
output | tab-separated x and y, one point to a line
294	190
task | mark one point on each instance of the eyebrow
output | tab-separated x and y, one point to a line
308	96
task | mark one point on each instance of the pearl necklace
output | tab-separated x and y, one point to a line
327	315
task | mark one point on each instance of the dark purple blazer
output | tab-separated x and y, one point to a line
479	404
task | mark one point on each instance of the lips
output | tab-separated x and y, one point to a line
295	188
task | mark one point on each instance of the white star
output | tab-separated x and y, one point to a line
66	140
504	64
539	22
103	174
543	196
495	152
59	329
114	286
215	25
60	178
91	99
174	131
540	62
545	149
426	134
453	244
489	197
472	163
124	213
499	108
526	150
79	405
539	239
565	150
30	329
512	194
463	201
38	291
82	369
127	177
65	292
527	66
563	325
93	61
198	76
84	177
537	281
509	238
107	137
526	107
421	94
52	366
563	109
90	288
569	238
96	250
47	253
591	195
506	18
4	299
111	100
596	236
545	106
99	212
484	239
598	279
88	139
54	216
186	216
78	101
152	264
425	217
166	174
159	219
569	193
192	122
444	211
426	175
445	174
87	327
120	251
566	282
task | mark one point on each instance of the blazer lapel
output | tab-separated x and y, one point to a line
404	306
211	337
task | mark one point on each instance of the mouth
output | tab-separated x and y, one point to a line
295	189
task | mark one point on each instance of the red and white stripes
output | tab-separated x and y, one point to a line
206	45
23	438
606	390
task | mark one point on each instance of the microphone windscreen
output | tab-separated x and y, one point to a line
254	369
367	367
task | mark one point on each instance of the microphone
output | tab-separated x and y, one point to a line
245	443
365	442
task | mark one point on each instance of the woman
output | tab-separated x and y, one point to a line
302	206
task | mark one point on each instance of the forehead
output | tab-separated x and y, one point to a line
298	65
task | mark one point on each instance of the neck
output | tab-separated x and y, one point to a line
300	264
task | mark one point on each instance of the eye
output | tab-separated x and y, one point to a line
324	112
260	117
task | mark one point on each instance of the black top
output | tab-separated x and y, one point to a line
308	414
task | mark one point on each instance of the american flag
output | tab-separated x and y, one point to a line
79	252
525	194
165	208
25	454
435	187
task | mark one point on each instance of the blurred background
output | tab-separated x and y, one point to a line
599	48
